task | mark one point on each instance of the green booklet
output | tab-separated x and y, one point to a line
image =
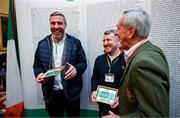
53	72
106	94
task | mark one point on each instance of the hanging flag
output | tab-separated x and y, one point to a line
14	100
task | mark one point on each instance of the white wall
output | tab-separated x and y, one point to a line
87	20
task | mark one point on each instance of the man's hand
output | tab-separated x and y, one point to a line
71	72
93	96
111	115
39	78
115	103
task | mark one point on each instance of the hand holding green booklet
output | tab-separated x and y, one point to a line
106	94
53	72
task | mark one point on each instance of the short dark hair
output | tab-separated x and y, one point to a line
107	32
56	13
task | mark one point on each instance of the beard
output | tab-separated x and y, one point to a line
58	33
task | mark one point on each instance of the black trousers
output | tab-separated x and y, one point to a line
60	103
105	107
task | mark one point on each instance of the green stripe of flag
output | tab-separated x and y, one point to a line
10	29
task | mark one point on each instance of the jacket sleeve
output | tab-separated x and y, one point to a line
95	77
37	67
82	64
151	87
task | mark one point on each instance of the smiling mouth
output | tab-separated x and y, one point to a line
57	33
107	46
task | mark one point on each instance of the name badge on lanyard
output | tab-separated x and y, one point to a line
109	77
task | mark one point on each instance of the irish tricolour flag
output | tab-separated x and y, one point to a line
14	101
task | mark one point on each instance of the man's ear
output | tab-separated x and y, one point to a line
132	31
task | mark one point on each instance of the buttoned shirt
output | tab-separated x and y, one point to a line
129	53
57	57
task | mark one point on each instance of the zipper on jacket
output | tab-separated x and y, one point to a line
50	57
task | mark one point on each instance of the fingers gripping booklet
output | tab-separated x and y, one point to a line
53	72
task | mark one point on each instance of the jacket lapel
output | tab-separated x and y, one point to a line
141	48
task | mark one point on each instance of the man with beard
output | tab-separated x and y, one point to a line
61	92
109	65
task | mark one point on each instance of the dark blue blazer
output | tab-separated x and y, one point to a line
73	53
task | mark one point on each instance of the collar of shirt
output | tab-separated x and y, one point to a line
129	53
60	42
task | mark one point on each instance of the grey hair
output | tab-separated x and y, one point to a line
56	13
140	20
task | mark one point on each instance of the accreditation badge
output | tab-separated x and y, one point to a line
109	77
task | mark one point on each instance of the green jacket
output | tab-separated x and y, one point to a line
145	84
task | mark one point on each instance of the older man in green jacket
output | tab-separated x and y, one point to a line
145	84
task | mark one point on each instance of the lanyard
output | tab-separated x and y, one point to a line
111	63
56	48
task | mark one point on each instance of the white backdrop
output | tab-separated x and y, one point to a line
87	20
